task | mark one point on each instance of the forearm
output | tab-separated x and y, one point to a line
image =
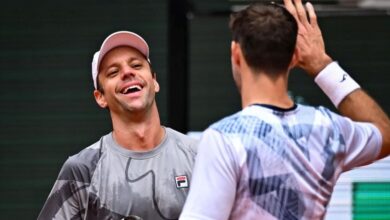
353	102
359	106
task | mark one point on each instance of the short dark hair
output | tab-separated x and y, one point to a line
267	35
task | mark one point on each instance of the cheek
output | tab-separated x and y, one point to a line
108	85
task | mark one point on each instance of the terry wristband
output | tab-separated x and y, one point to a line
335	83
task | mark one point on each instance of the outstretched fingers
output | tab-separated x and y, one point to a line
310	46
291	8
293	11
312	15
301	13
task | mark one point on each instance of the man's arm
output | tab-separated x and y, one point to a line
68	194
361	107
214	180
356	104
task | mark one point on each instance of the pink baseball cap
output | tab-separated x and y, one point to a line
116	39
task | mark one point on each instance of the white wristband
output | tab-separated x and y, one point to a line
335	83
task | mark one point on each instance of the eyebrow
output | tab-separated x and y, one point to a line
131	59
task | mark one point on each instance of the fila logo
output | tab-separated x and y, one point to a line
181	182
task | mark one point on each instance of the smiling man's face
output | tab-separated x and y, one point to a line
126	81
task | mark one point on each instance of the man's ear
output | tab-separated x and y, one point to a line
235	51
156	85
294	59
99	98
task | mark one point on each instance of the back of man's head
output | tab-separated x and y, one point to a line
267	36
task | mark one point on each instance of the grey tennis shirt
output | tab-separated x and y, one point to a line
107	181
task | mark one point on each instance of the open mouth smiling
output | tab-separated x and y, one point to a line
131	89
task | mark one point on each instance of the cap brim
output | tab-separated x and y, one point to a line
120	38
123	38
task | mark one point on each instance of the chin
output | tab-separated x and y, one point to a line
139	107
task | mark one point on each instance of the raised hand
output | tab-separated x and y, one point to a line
310	43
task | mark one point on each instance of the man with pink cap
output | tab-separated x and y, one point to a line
141	169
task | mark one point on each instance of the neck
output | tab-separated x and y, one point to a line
138	131
262	89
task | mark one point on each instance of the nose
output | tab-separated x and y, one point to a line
127	72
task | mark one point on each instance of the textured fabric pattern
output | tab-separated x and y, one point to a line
106	181
269	163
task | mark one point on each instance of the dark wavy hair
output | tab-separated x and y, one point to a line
267	35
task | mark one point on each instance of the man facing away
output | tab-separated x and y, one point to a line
140	170
276	159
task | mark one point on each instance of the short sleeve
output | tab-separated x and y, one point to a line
214	180
363	141
68	194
